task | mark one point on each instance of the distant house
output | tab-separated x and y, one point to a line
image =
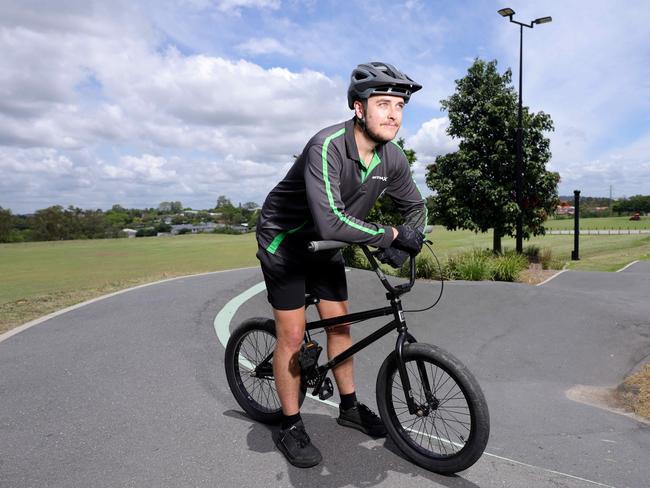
193	228
564	208
130	233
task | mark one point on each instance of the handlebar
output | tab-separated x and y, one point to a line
397	290
315	246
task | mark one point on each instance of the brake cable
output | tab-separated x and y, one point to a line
442	282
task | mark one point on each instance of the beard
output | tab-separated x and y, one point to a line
378	138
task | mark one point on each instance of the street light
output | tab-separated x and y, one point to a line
519	164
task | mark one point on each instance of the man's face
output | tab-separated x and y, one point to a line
384	116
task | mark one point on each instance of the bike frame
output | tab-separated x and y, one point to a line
398	323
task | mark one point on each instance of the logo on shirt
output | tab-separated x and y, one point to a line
382	178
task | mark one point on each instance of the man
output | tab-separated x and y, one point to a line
326	194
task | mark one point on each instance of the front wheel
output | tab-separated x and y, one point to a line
249	369
450	429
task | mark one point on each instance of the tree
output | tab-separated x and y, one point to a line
384	210
637	203
50	224
475	186
6	224
223	202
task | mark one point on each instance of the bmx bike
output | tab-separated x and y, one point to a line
432	406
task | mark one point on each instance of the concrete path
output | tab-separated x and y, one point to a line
130	390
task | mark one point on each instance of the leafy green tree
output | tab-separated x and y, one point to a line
6	224
51	224
475	186
637	203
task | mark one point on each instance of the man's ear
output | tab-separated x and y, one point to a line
358	109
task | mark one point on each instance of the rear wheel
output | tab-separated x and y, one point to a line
249	369
450	430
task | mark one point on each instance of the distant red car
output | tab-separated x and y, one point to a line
636	216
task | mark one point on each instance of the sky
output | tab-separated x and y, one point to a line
142	101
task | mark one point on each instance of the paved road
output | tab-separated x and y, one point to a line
130	390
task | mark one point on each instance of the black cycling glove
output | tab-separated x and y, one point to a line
393	257
408	239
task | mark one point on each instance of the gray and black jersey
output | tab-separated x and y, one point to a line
329	191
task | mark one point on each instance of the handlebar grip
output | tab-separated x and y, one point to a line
315	246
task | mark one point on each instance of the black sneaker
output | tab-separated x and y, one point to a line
362	418
296	446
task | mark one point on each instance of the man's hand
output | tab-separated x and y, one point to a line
408	239
392	257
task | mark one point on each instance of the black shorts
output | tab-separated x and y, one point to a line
288	281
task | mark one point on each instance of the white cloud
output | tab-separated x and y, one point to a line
264	45
626	170
431	140
235	5
105	100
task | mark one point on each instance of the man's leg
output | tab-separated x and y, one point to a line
290	331
292	439
338	340
351	412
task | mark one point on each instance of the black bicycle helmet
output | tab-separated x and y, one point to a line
377	78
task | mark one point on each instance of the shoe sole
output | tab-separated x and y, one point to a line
360	428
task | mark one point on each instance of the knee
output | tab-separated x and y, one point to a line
291	339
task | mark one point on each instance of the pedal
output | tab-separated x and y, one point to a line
308	355
327	390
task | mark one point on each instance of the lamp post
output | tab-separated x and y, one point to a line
519	163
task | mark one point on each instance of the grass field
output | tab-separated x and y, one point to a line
41	277
602	223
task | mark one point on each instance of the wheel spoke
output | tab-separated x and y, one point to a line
256	347
445	430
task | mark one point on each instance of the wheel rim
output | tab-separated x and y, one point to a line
446	425
254	348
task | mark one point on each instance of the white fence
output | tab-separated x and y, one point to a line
601	232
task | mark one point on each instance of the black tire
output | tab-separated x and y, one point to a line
250	343
453	434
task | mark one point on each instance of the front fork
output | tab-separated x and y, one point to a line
403	338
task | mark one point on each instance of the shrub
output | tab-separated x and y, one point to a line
508	266
532	253
354	258
426	267
546	257
146	232
473	265
226	230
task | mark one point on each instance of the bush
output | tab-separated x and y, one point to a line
508	266
354	258
532	253
146	232
473	265
546	258
226	230
477	265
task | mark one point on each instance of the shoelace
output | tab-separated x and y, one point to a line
300	435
